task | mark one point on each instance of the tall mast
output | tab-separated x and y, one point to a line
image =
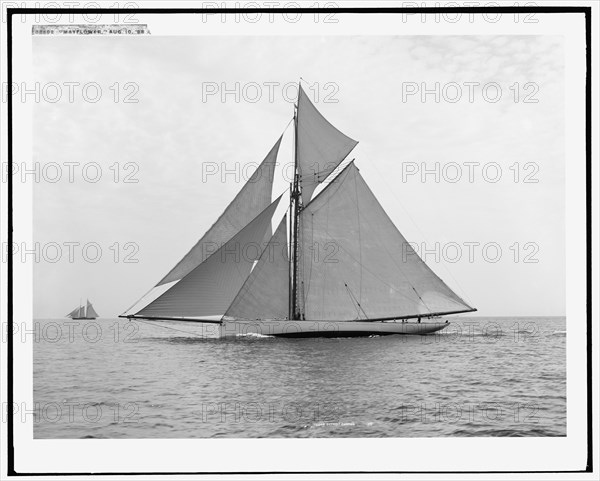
290	267
295	197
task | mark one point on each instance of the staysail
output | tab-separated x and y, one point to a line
320	147
90	312
264	295
209	288
363	268
254	197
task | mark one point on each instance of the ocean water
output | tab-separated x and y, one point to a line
111	378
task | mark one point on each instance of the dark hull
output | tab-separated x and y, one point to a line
305	329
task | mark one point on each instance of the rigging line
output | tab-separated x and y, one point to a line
333	175
282	192
463	296
140	299
314	174
421	299
286	127
353	302
353	298
168	327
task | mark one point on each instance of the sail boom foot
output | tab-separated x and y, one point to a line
417	316
165	318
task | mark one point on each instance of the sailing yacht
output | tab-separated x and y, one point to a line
335	266
83	312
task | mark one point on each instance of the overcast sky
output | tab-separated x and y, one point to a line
172	134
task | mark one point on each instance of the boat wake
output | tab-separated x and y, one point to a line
255	335
558	333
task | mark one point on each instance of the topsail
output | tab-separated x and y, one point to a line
320	146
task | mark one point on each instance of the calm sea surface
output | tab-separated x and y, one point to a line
112	378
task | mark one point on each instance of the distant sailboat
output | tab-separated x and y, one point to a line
83	312
365	278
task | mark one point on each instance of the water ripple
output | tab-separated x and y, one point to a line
500	381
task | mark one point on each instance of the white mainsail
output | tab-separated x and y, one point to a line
90	311
320	147
362	258
250	201
264	295
210	287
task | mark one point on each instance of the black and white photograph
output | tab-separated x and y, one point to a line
311	239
